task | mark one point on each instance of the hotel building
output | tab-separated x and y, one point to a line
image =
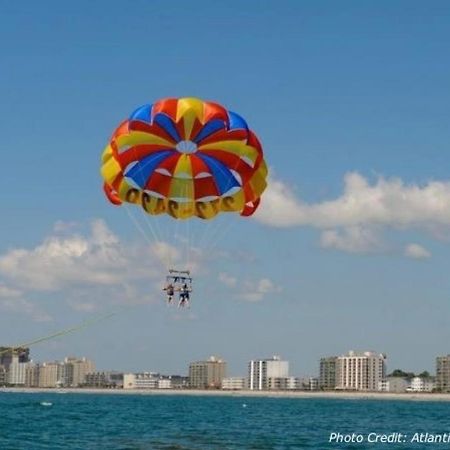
207	374
360	371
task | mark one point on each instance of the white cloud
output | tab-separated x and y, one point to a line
7	292
387	202
87	271
23	306
12	300
353	221
416	251
97	259
256	291
354	239
227	279
62	227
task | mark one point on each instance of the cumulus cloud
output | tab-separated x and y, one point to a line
388	202
96	259
227	279
350	221
87	269
354	239
256	291
7	292
248	290
416	251
18	304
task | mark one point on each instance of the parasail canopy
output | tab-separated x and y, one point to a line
185	157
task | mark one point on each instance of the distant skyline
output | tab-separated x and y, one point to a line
351	243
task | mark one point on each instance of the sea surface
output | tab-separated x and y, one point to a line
177	422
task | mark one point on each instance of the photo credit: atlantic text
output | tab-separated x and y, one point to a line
389	438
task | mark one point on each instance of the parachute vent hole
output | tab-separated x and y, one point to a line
186	147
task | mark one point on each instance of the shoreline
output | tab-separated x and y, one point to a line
407	396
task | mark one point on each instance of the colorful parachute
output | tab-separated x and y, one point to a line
185	157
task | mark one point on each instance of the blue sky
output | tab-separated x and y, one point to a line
331	89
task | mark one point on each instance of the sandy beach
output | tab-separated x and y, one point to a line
243	393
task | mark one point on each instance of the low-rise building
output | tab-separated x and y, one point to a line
104	380
234	383
394	384
422	384
145	380
164	383
308	384
178	381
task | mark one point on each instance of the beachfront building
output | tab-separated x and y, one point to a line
3	376
178	381
308	383
104	380
422	384
145	380
73	371
153	380
360	371
268	373
16	371
234	383
48	374
207	374
8	353
394	384
32	375
327	373
443	373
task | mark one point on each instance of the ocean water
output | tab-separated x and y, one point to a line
177	422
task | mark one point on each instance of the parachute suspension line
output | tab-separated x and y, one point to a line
189	194
209	236
190	243
142	231
149	225
219	236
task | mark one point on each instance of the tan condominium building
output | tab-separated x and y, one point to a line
48	374
443	373
74	371
207	374
360	371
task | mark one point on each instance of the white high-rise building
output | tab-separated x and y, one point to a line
267	373
16	372
360	371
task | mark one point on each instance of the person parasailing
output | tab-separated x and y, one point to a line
170	291
185	291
